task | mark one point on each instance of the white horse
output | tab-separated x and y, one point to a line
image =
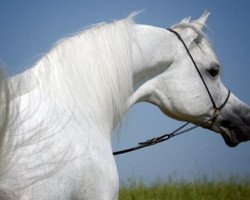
57	117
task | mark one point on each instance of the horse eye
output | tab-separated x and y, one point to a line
214	71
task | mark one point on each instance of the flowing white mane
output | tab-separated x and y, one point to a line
88	70
89	74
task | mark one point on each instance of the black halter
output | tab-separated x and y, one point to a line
216	109
207	123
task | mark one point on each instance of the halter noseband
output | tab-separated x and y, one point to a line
207	123
216	109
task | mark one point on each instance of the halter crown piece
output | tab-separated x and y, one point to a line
178	131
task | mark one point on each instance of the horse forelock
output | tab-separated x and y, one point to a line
202	41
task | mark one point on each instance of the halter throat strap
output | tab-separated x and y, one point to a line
216	109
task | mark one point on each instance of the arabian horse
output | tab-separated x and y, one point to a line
57	117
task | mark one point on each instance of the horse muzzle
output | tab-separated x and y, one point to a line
233	123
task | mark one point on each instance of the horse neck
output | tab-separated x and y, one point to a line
153	53
99	90
91	74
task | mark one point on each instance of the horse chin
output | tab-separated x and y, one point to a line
232	137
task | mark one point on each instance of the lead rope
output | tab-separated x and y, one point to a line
156	140
179	130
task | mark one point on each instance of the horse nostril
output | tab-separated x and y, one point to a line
226	123
246	119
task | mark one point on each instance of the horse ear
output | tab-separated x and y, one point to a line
200	23
186	30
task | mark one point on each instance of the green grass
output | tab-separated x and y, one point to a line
201	190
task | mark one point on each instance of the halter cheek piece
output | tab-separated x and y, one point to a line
215	108
207	123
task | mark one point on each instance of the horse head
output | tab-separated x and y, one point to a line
188	86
